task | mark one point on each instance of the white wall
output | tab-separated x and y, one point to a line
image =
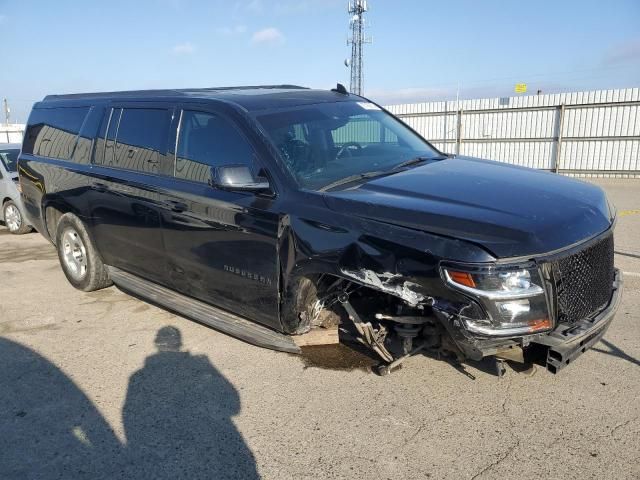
594	133
11	133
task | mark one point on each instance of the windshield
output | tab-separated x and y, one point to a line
324	143
9	159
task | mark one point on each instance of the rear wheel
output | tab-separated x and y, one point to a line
79	259
13	219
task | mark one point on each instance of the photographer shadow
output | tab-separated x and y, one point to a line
177	417
49	428
177	420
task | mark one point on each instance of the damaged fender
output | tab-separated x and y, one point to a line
393	260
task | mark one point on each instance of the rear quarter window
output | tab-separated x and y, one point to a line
53	132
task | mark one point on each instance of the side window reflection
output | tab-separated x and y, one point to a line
207	140
52	132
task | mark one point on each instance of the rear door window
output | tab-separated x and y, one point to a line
52	132
141	139
208	140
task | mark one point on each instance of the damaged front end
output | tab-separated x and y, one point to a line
464	310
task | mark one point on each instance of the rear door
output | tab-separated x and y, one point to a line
221	245
126	201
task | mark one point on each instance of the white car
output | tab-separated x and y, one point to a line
12	211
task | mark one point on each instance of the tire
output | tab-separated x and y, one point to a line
13	219
78	257
297	308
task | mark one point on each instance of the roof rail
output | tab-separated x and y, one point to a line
167	93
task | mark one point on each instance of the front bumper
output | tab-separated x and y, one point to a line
567	342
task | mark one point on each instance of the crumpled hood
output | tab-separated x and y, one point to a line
510	211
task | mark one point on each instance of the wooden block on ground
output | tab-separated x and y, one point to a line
317	336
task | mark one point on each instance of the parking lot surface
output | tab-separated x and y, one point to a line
103	385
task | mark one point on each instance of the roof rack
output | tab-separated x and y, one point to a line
169	93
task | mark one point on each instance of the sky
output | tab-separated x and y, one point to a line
422	50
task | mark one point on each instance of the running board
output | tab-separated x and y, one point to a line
214	317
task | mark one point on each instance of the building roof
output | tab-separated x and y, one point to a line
249	97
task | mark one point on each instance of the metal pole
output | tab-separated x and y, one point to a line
360	38
459	133
446	125
6	111
560	120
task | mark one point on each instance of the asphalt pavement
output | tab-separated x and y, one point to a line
103	385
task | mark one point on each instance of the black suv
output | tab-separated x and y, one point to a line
271	212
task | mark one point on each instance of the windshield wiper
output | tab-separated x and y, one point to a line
353	178
379	173
415	161
411	161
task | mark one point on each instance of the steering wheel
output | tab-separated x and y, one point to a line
345	149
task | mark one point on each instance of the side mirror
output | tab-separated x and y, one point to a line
237	177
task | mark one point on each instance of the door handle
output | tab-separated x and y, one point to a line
176	206
100	187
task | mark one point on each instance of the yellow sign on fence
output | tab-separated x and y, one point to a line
521	88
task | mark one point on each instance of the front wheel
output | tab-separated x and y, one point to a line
79	259
13	219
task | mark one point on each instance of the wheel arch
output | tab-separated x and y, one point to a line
4	200
52	210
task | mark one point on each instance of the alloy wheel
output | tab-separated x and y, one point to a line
12	218
74	254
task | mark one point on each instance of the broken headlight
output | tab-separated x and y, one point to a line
513	298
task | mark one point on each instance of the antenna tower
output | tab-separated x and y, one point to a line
358	38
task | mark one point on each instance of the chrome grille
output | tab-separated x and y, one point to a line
584	281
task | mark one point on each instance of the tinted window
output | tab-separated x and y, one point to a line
98	155
9	159
52	132
207	140
136	139
82	152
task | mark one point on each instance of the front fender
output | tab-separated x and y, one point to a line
392	260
